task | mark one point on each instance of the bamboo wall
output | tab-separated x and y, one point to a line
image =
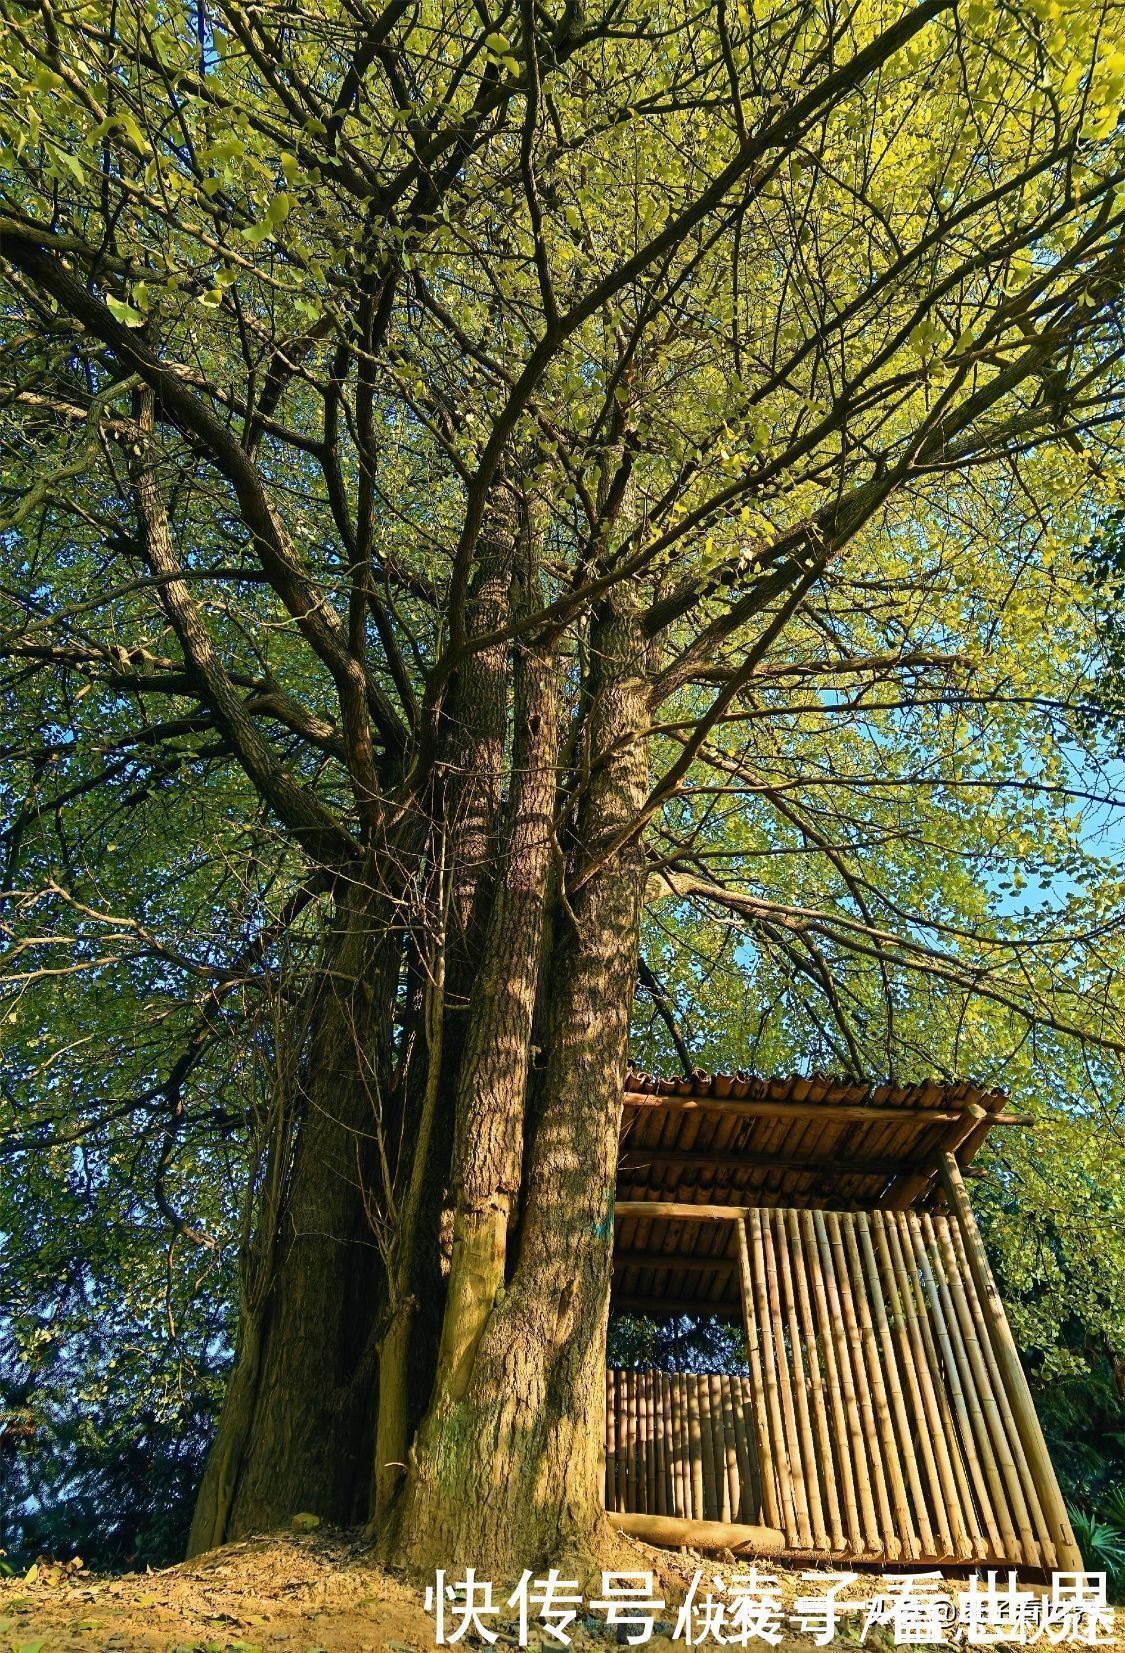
881	1398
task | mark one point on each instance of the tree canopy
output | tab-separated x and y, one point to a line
361	362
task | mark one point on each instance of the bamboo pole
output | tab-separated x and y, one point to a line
622	1442
817	1399
786	1387
695	1448
710	1385
612	1442
677	1211
1040	1525
842	1421
872	1465
1015	1382
650	1442
750	1491
852	1113
777	1442
622	1438
957	1498
734	1475
711	1497
679	1502
939	1513
798	1352
967	1416
663	1449
771	1504
983	1377
872	1537
976	1401
891	1414
701	1535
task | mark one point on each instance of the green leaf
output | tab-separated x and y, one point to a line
126	314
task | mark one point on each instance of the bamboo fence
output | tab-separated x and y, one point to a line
884	1415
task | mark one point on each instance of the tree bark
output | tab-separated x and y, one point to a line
507	1467
295	1432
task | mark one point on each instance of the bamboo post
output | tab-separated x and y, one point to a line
684	1448
983	1376
766	1476
958	1496
793	1441
711	1493
858	1459
697	1510
629	1378
734	1474
843	1470
967	1417
1015	1382
777	1441
872	1465
800	1352
937	1507
884	1384
650	1441
622	1443
1040	1526
750	1488
663	1444
610	1439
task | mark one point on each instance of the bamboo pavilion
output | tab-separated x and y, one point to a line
884	1415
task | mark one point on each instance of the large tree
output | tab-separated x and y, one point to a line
488	475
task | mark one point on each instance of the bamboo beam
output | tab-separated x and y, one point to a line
679	1210
705	1159
672	1533
853	1112
1015	1381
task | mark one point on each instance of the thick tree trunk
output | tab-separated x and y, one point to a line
295	1432
458	1391
507	1468
465	812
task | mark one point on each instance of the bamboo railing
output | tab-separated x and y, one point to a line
884	1414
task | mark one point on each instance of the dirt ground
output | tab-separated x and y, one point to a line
319	1592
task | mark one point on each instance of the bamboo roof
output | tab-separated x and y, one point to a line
726	1139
